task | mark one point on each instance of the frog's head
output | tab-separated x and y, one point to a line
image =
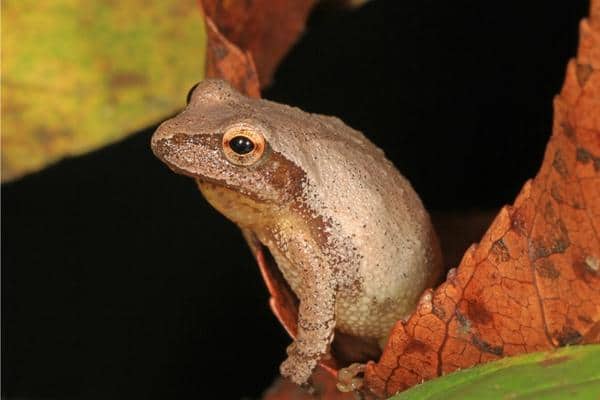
222	139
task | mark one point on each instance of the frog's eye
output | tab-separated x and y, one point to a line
189	95
243	145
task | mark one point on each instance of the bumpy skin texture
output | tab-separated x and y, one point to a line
347	231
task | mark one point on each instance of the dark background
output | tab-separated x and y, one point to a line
119	281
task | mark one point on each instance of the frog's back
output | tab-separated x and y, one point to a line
376	220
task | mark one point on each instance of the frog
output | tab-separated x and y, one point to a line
347	231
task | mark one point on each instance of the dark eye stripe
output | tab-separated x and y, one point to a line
241	145
189	95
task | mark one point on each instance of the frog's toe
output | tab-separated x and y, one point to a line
350	378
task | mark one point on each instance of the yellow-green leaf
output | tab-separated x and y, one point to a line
79	74
567	373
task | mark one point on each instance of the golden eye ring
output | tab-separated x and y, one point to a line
243	145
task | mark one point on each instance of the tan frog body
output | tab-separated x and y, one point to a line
347	231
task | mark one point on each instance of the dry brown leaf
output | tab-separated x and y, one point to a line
226	61
264	28
533	282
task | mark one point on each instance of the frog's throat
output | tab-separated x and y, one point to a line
243	210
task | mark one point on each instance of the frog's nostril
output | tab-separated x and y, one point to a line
178	139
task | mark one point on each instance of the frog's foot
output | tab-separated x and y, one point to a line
350	378
299	366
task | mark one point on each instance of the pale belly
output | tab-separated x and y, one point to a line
364	316
356	313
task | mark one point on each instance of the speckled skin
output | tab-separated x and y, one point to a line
348	232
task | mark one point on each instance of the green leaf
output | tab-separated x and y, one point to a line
79	74
568	373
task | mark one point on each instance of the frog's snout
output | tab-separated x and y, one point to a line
168	140
171	146
162	134
184	153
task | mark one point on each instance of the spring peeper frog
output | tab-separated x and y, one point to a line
347	231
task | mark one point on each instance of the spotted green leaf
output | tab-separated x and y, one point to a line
568	373
79	74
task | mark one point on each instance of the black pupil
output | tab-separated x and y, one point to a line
241	145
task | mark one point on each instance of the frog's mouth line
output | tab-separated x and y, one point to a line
204	182
198	178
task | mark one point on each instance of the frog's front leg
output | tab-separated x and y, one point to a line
316	318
